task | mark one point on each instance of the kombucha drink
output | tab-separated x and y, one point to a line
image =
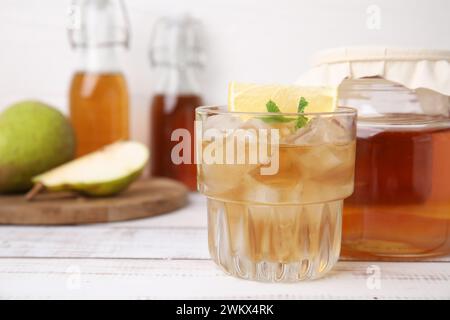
169	113
98	109
401	204
257	219
284	226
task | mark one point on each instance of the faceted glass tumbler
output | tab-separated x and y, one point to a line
282	224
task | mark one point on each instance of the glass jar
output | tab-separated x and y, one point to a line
400	207
98	94
175	56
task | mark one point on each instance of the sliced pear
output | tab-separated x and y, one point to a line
105	172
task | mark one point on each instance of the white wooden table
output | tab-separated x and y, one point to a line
166	257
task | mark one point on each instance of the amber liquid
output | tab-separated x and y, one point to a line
168	114
401	204
98	110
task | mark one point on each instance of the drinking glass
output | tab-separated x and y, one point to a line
275	185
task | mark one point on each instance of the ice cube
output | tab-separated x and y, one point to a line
320	158
222	122
227	159
262	191
340	129
321	130
266	139
219	179
311	134
255	123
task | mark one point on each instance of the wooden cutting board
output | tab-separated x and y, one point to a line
144	198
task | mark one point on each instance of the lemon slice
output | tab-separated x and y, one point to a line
246	97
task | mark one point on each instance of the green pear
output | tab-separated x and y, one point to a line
105	172
34	138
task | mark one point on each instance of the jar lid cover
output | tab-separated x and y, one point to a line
412	68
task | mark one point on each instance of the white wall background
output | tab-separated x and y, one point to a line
251	40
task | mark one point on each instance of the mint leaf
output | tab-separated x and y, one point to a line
301	120
302	104
273	108
276	119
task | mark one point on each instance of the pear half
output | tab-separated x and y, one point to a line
105	172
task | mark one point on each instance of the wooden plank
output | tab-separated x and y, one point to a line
103	242
181	279
110	241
